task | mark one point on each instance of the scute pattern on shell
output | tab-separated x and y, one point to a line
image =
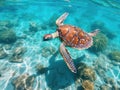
75	37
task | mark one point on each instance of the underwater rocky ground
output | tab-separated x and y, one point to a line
29	63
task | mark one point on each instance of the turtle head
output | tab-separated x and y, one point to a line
47	37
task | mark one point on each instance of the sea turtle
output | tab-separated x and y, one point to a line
71	36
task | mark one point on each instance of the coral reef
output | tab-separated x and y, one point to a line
109	87
109	80
101	65
86	72
7	36
114	55
19	50
16	59
85	76
17	55
2	53
47	51
87	85
99	43
115	87
24	82
105	87
40	69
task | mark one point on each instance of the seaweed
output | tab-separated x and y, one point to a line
100	42
114	55
7	36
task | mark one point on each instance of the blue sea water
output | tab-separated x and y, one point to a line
20	15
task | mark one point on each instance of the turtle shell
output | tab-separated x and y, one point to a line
75	37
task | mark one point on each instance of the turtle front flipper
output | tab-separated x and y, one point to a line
60	20
67	58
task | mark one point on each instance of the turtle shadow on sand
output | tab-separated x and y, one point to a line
58	75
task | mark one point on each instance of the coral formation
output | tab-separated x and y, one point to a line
101	66
16	59
24	82
109	87
17	55
86	72
115	87
109	80
99	43
47	51
87	85
115	55
7	36
105	87
2	53
86	75
19	50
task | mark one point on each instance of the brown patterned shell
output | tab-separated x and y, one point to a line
75	37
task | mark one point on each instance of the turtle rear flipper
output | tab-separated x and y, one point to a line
94	33
67	58
60	20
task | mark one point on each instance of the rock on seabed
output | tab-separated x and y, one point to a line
24	82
